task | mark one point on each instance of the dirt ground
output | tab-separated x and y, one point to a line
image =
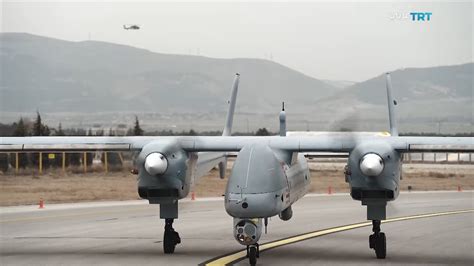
56	187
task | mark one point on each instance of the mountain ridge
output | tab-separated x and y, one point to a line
90	67
94	77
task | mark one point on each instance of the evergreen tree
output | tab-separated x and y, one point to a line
39	129
21	130
60	131
137	130
37	125
81	132
262	132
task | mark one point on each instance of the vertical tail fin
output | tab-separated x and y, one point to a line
230	113
391	107
229	121
282	120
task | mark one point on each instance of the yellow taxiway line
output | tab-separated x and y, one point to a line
233	257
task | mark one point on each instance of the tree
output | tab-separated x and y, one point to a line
7	130
39	129
262	132
60	131
137	130
21	130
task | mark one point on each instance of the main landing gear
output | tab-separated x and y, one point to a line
171	237
377	240
253	252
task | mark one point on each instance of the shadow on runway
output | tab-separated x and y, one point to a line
83	237
147	247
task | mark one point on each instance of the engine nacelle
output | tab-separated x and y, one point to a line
164	171
247	231
374	172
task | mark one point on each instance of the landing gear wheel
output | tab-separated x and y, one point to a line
377	241
381	246
168	243
170	238
252	256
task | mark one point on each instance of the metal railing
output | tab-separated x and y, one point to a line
36	160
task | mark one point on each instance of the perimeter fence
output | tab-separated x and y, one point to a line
107	161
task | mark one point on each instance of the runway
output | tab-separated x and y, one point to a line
130	233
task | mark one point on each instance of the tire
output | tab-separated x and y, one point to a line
252	256
372	241
168	243
381	246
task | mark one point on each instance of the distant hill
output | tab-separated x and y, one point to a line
340	84
58	76
418	84
425	96
82	83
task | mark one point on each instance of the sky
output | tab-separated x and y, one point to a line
335	40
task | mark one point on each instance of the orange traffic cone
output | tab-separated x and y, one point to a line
41	204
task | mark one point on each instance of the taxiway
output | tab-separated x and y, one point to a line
130	233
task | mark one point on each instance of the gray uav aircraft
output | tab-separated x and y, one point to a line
269	174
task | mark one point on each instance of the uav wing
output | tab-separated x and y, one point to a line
227	143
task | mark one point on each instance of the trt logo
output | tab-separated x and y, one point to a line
421	16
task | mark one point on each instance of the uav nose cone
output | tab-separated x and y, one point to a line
156	163
371	165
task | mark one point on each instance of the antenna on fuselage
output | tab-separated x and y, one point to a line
282	120
230	113
391	107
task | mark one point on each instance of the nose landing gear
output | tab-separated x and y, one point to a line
253	252
171	237
377	240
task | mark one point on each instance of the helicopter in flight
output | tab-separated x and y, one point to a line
131	27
